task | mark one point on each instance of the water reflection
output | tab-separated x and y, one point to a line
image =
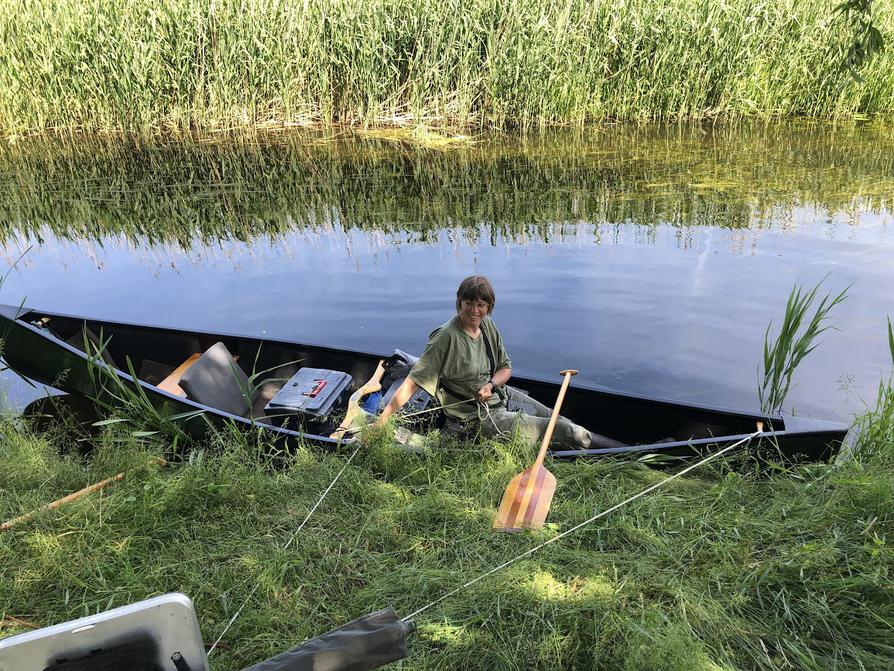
215	188
650	258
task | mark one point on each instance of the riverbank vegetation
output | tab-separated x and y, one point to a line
722	569
255	185
220	65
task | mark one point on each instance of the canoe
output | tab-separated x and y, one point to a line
61	351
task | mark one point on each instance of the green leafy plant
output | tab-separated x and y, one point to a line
726	570
874	429
795	340
115	396
181	65
867	40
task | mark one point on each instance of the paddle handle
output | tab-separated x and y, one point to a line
541	455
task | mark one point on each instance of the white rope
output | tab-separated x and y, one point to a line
578	526
285	547
502	433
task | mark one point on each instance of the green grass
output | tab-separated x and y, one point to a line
719	570
177	64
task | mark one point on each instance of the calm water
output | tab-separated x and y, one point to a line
652	259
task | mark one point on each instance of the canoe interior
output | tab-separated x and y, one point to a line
636	420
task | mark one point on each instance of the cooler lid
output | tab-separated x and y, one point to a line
311	390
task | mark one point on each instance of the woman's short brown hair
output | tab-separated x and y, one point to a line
476	288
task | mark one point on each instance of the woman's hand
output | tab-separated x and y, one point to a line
484	394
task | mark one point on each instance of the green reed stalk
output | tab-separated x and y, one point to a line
874	429
128	403
795	340
178	64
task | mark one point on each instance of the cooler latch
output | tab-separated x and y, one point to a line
316	390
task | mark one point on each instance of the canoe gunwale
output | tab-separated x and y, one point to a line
717	442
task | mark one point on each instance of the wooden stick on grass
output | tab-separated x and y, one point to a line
14	621
74	496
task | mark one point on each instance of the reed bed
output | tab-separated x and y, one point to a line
722	569
177	64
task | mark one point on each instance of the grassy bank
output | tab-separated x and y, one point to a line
108	65
210	188
719	570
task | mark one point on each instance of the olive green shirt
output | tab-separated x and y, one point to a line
454	359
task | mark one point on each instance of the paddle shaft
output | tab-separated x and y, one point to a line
541	455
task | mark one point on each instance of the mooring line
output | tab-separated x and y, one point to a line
581	524
285	547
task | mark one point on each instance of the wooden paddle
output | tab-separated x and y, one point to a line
374	384
529	494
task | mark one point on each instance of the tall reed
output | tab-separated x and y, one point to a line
182	64
784	352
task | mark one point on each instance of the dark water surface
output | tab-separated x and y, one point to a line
652	259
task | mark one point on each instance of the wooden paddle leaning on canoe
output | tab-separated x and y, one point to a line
529	494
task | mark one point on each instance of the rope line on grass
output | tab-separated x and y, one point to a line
285	547
581	524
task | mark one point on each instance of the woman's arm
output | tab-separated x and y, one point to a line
502	376
401	396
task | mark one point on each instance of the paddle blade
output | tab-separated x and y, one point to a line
526	500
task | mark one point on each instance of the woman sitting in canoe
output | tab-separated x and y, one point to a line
465	367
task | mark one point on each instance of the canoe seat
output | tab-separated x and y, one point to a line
216	380
171	383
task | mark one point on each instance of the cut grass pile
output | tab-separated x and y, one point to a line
227	63
720	570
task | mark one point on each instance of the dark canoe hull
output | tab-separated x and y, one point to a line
640	421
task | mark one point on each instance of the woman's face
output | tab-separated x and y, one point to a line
471	312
